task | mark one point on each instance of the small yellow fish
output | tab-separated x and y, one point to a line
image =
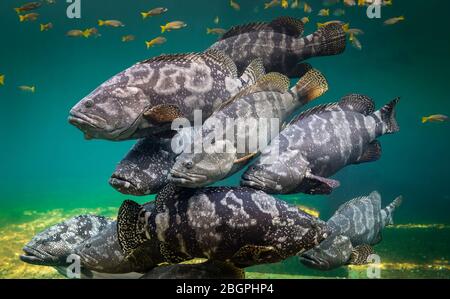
216	20
26	88
355	42
156	41
349	2
218	31
435	118
324	12
355	31
284	4
46	27
91	31
28	17
307	8
110	23
393	21
172	25
361	2
308	210
128	38
235	5
28	7
153	12
305	20
2	79
75	33
295	4
271	4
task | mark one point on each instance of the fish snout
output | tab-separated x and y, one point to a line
37	257
86	122
125	184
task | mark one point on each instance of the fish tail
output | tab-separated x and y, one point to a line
86	33
21	18
311	85
390	209
163	28
149	44
346	27
387	114
424	119
144	15
101	22
33	89
208	30
17	10
332	39
127	227
42	27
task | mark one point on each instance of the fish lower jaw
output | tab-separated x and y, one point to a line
123	185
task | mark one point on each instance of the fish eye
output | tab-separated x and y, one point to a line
188	164
89	103
88	245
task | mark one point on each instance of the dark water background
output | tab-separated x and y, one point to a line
46	164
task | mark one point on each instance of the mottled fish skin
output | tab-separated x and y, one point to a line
167	86
319	143
144	169
218	159
52	246
238	225
207	270
281	51
359	221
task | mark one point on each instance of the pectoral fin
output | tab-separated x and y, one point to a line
360	255
371	154
163	113
245	158
319	185
253	255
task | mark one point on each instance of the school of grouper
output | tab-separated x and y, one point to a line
245	75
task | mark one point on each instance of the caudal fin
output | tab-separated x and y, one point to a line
310	86
129	230
332	39
390	209
387	114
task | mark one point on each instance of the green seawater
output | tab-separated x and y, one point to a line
48	172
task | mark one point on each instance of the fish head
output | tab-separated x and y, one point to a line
273	174
115	109
210	164
330	254
52	246
144	169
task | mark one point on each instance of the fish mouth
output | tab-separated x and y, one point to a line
313	261
124	185
260	183
86	122
187	179
36	257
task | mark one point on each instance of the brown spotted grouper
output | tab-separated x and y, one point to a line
318	143
144	99
280	45
238	225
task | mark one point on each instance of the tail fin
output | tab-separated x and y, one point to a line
21	18
311	86
86	33
390	209
17	10
163	29
101	22
128	229
149	44
144	15
424	119
253	72
332	39
208	30
387	114
33	89
42	27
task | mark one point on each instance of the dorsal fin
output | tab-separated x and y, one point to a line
269	82
315	110
284	25
288	25
253	72
357	102
217	56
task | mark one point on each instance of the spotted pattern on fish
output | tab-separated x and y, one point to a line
211	226
118	108
281	51
305	160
